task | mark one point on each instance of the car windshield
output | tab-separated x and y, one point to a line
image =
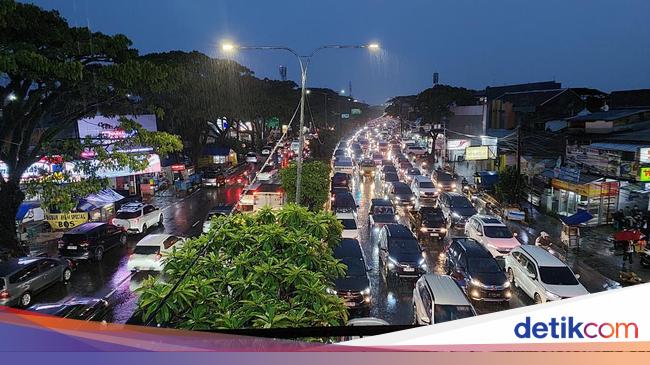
426	185
446	312
355	266
497	232
460	202
391	177
433	218
404	247
557	275
414	172
402	189
74	238
146	250
344	163
128	214
348	223
484	264
383	210
444	178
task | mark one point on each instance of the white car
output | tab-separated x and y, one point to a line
344	165
350	226
267	174
138	217
148	254
251	157
542	276
492	234
415	150
424	190
437	299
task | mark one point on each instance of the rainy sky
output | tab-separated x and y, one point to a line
593	43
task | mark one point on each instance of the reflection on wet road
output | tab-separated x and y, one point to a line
90	279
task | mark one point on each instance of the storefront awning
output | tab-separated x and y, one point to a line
98	200
582	216
24	208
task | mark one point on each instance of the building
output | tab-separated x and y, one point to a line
625	99
493	92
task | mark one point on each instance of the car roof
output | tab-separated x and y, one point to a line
445	290
13	265
472	247
489	220
453	194
430	210
541	256
399	184
85	227
381	203
349	247
398	231
153	239
344	197
421	178
129	207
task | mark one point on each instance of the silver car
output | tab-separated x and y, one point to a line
21	279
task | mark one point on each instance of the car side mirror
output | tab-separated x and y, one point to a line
577	276
425	319
515	234
531	275
480	234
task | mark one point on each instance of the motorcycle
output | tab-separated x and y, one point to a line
645	257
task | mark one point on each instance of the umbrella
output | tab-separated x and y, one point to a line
633	235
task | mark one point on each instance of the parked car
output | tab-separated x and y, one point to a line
354	287
216	211
491	233
89	241
444	181
381	212
540	275
424	190
400	253
83	309
428	222
344	203
21	279
476	271
400	194
251	157
350	227
149	252
456	208
438	299
138	217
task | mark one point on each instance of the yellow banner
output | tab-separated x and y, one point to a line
65	221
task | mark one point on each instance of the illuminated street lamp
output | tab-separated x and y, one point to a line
304	61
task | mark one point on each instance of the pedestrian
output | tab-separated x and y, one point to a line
618	219
629	252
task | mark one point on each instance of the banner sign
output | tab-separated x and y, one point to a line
644	174
477	153
65	221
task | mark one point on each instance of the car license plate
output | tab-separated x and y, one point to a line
409	269
435	235
350	304
72	247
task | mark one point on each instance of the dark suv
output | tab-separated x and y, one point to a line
456	208
90	240
476	271
344	203
354	288
400	253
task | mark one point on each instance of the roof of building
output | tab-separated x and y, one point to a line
531	98
493	92
586	91
629	98
624	147
609	115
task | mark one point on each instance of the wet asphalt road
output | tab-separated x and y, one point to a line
392	300
181	217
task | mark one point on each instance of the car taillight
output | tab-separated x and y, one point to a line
61	243
4	294
84	244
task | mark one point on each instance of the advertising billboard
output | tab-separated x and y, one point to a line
109	127
477	153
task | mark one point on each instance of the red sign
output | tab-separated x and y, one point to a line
178	167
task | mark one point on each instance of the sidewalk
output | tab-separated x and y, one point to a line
595	261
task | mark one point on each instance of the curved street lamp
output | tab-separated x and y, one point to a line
304	61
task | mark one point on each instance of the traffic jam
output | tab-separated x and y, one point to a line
419	250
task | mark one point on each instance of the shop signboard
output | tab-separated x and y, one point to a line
345	116
458	144
153	161
610	188
65	221
644	155
355	111
477	153
644	174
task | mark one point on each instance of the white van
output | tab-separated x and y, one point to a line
424	190
437	299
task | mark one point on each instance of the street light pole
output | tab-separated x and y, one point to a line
304	64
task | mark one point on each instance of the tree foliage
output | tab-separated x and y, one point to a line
314	184
262	270
53	75
434	104
510	187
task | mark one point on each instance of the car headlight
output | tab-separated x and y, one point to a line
453	185
552	296
421	262
443	230
506	284
366	291
331	291
440	185
392	260
423	229
478	283
455	215
412	198
398	198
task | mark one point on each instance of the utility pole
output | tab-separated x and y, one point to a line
519	149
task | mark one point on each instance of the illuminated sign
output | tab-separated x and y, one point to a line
178	167
644	155
644	174
477	153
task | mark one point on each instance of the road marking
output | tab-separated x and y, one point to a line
195	223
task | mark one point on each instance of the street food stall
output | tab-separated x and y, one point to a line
570	234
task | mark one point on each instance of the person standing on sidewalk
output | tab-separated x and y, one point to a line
629	253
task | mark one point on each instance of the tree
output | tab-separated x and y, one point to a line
434	103
510	187
315	183
263	270
52	76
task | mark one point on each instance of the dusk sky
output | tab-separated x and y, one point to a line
597	43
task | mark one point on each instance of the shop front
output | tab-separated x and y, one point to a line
598	196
